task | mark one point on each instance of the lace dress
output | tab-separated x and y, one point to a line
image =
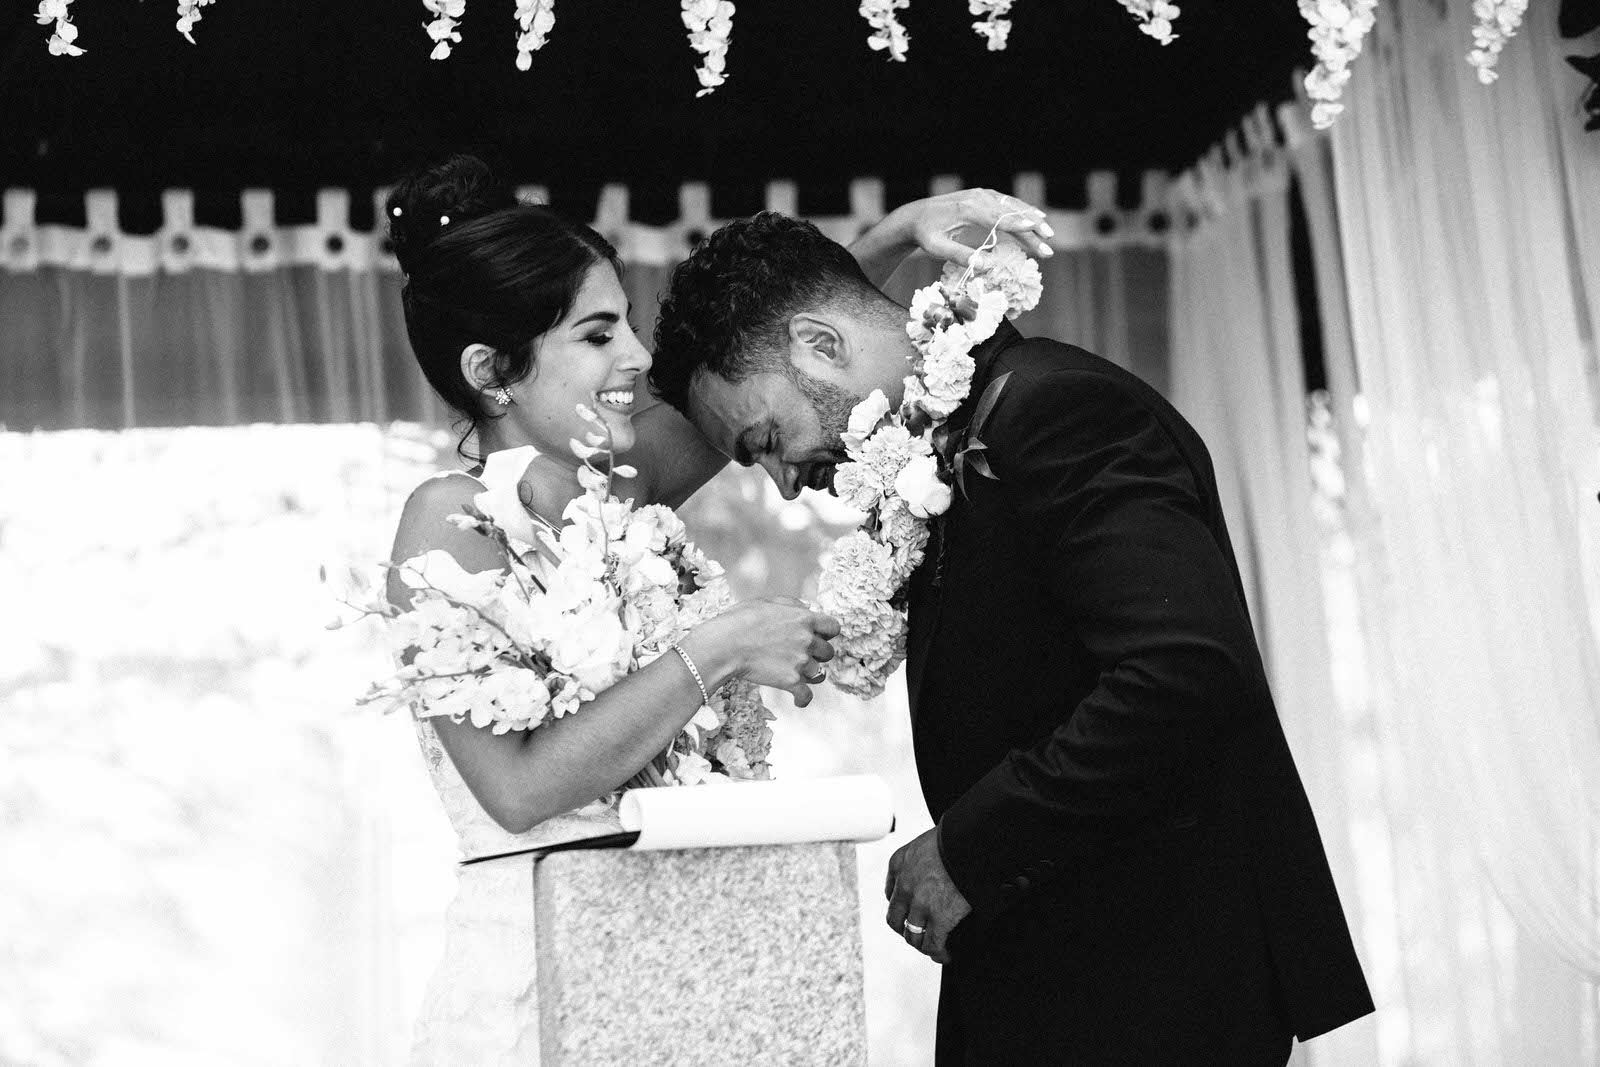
482	1003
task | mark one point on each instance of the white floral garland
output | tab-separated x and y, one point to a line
442	30
1155	17
64	32
1338	28
1497	23
993	25
188	15
894	473
710	24
535	20
887	33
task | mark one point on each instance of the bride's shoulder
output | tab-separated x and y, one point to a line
451	486
424	521
439	495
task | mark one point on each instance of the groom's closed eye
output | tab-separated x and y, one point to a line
743	453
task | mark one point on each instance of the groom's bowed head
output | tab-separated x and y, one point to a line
769	335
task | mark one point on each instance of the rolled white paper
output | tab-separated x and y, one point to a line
788	812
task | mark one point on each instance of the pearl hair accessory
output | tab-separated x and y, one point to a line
444	220
396	212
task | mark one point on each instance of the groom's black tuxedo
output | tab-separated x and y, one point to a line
1096	739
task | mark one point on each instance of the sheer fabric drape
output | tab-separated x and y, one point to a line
205	348
305	344
1466	417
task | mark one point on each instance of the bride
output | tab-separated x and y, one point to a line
517	317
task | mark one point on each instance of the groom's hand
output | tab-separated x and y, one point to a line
921	894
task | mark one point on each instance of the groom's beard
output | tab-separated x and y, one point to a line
833	406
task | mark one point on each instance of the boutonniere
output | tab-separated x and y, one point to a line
973	451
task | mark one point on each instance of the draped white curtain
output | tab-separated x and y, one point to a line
1454	237
205	348
108	331
1472	322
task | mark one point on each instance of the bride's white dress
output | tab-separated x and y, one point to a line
482	1004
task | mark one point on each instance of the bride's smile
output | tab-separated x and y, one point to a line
590	358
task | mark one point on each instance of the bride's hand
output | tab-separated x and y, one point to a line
777	642
938	221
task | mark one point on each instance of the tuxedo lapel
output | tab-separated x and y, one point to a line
927	592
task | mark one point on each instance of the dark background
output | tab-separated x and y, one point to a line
296	95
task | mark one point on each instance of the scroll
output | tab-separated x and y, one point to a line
790	812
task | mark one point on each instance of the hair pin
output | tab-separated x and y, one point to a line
444	220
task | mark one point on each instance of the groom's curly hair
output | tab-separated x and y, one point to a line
727	308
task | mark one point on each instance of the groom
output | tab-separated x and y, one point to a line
1125	868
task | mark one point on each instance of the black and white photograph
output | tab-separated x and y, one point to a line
879	533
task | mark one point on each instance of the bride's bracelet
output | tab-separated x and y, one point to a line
705	697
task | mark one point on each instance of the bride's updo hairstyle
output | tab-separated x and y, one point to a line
482	267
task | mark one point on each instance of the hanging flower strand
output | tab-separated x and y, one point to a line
887	33
709	22
188	15
65	32
1337	30
535	18
1155	17
1498	21
447	13
993	24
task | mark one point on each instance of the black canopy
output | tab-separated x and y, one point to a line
294	94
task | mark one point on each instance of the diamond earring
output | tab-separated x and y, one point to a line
503	397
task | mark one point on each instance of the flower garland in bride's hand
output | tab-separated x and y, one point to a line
614	588
895	473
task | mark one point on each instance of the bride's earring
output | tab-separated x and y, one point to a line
503	397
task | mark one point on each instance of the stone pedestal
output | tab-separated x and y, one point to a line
704	956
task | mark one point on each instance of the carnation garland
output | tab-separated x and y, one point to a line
895	473
887	33
710	23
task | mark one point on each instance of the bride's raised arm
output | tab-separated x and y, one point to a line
680	460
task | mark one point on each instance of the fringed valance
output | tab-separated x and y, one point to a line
261	244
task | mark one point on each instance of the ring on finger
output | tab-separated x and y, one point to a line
912	929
